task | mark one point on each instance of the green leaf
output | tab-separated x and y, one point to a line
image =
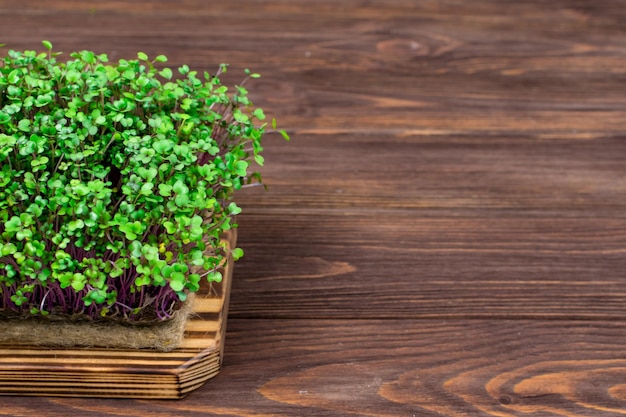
147	174
258	113
24	234
97	296
132	230
179	187
197	261
18	299
74	225
142	56
146	189
47	45
35	210
166	73
163	146
43	100
13	225
196	221
193	282
72	76
241	168
8	249
24	125
181	200
284	135
160	58
167	271
165	190
135	249
240	117
177	281
13	77
170	227
44	275
252	74
237	253
42	160
88	56
214	276
142	280
233	209
78	282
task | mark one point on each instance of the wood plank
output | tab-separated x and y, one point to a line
482	175
486	226
442	67
397	367
400	264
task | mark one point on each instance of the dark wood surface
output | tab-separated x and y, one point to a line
445	234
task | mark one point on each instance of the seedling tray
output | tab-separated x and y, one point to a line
120	373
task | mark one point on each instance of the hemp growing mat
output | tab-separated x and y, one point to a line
185	361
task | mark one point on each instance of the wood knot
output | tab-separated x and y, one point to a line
403	47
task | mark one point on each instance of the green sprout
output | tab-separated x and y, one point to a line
116	179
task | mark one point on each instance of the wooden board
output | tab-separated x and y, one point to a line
120	373
444	235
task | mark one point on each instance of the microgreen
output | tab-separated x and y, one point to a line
116	180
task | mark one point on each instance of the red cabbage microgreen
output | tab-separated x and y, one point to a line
116	180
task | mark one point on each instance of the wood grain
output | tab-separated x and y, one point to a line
433	267
478	227
429	368
433	66
445	233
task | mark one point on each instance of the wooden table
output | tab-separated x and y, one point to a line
445	233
